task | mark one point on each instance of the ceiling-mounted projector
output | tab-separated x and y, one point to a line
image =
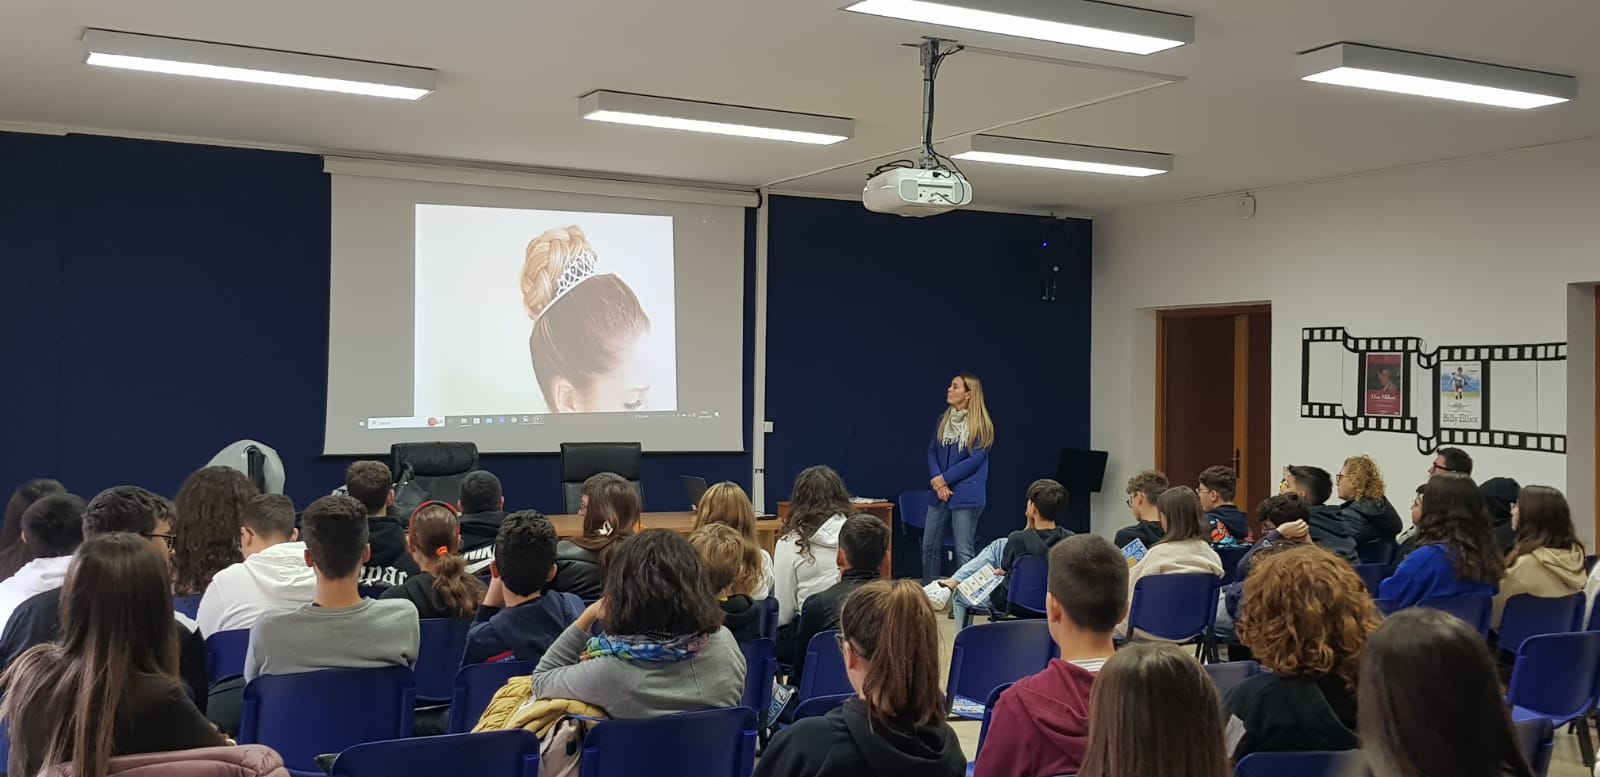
931	184
909	191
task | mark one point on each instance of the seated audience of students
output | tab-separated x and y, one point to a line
1547	559
483	507
863	544
1047	502
1229	526
727	503
662	647
806	558
339	629
1456	552
108	684
1365	507
389	563
731	564
1143	490
1154	713
1326	526
1499	496
1040	724
442	588
272	576
205	526
1305	616
52	529
13	551
894	725
1185	546
519	618
1430	701
1283	519
609	508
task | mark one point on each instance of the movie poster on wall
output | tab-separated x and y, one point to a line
1461	395
1384	394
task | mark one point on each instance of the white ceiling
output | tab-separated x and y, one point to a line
511	72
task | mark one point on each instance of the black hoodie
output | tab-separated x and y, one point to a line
1330	532
478	531
1498	496
1293	713
742	616
1234	519
1148	532
844	743
391	562
1371	520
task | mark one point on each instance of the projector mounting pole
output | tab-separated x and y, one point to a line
933	52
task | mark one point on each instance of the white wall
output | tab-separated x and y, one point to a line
1477	251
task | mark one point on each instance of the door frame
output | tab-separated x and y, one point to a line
1241	364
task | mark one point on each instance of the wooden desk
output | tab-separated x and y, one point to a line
571	526
881	510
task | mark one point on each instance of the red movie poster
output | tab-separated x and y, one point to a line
1384	393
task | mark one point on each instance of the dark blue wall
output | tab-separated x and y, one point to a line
869	316
163	300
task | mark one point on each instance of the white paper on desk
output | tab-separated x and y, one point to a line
863	500
977	588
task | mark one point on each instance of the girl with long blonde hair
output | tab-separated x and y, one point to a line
726	503
958	467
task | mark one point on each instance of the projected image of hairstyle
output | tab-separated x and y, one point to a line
587	328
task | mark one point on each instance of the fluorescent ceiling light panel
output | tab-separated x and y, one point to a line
200	59
1405	72
667	113
1060	156
1075	22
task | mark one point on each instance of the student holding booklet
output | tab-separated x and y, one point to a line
980	583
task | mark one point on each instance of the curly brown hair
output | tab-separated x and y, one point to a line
1361	472
205	526
1306	613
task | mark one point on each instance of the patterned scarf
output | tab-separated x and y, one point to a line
955	429
643	648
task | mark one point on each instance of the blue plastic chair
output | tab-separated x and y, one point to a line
713	743
1527	616
1230	562
1475	610
306	715
824	668
1378	553
1537	739
1304	764
1228	675
769	618
817	706
983	728
761	666
1555	678
225	653
443	642
1373	575
512	753
913	510
993	654
1028	583
188	605
475	685
1178	608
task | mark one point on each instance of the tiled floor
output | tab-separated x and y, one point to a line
1565	762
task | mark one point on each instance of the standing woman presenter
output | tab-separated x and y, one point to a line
958	465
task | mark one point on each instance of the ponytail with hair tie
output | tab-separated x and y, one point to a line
435	526
441	552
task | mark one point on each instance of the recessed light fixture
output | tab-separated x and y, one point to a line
201	59
1075	22
1060	156
667	113
1406	72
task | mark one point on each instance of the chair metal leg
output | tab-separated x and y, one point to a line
1585	744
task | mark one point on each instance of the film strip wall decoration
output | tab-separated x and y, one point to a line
1459	377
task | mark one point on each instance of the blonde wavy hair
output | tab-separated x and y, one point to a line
726	503
1362	473
980	430
1306	613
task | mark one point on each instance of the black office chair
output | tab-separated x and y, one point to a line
429	471
583	460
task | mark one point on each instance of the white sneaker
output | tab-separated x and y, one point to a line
938	596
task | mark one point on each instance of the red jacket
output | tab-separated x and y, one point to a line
1040	726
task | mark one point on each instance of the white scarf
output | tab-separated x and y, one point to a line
955	429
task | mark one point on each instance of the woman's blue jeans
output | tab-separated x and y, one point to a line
963	521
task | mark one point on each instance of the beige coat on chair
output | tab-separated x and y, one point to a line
241	761
1547	572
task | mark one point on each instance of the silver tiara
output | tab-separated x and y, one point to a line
579	268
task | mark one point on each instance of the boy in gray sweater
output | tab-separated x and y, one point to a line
339	629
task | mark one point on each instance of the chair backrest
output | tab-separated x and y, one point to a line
1378	553
988	715
188	605
824	674
1556	674
305	715
510	753
475	685
1373	575
1178	607
761	666
713	743
225	652
1028	582
1230	562
817	706
583	460
439	656
1527	616
1304	764
769	618
1475	610
1536	738
1229	674
913	507
992	654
